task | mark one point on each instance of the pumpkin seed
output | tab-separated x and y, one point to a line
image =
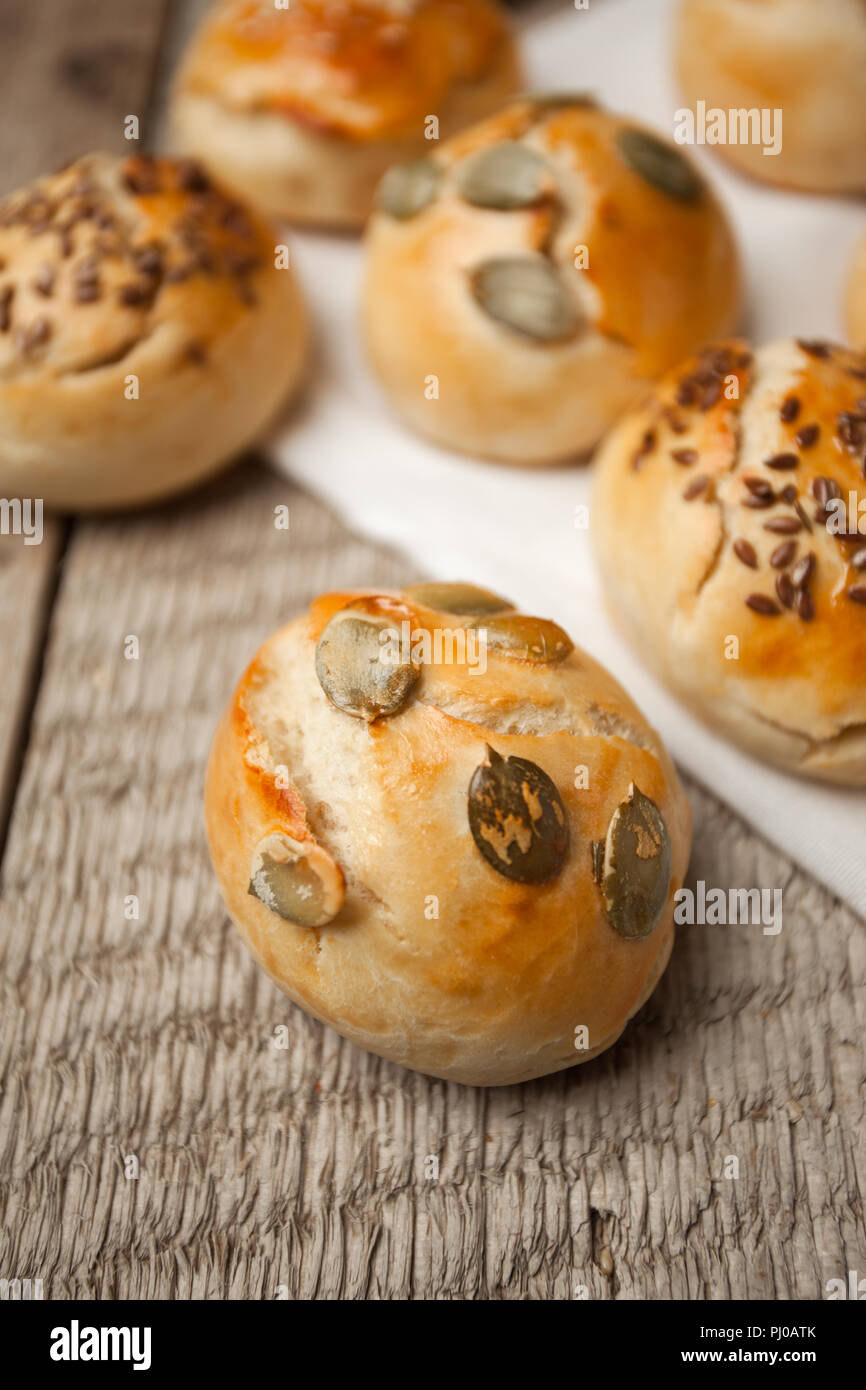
527	295
523	638
552	101
517	819
458	598
596	849
637	866
406	189
297	879
353	670
659	163
505	176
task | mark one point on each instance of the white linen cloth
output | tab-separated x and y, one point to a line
513	530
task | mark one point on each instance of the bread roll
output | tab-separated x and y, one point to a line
145	333
461	856
726	515
303	109
855	307
526	282
807	60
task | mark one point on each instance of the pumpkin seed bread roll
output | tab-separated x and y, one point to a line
146	335
303	108
729	518
748	59
528	281
446	832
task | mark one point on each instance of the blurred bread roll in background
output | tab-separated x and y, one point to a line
527	281
303	109
806	58
729	517
855	303
146	335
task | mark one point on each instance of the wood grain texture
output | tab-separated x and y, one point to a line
305	1169
27	576
71	72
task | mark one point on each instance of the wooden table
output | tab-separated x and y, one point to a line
146	1046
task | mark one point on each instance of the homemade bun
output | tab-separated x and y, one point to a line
303	109
145	334
486	859
726	532
526	282
855	309
803	58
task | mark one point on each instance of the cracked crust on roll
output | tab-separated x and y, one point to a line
644	275
437	959
726	520
303	109
138	274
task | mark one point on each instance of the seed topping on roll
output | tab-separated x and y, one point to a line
461	856
115	233
740	486
796	507
528	293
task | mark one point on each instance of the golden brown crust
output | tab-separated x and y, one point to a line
282	101
687	275
139	269
101	253
855	303
648	276
715	520
365	70
807	60
435	959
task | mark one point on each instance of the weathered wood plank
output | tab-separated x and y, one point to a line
305	1168
71	72
183	18
26	589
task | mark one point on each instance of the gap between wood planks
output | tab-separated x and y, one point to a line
78	70
16	718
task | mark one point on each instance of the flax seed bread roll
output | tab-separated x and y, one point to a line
456	862
527	282
145	333
807	60
303	109
727	534
855	307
